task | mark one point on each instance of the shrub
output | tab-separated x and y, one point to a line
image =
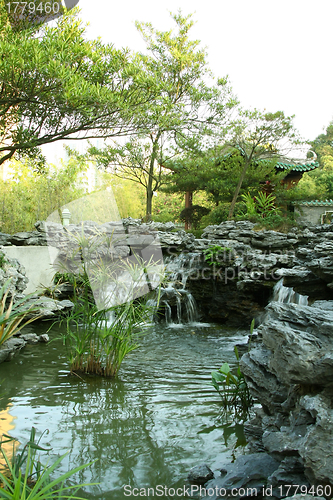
220	213
215	255
193	214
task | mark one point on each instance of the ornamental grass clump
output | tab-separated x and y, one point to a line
232	387
23	477
13	315
111	304
98	341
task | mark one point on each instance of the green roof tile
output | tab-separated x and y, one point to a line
298	167
315	203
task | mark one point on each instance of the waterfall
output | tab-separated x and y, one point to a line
287	295
178	303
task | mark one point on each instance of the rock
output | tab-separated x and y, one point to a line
326	305
306	497
289	472
44	338
9	348
248	471
316	448
264	385
30	338
200	474
5	239
322	267
281	442
47	307
301	334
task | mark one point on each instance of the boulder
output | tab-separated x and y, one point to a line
9	348
248	471
299	338
200	474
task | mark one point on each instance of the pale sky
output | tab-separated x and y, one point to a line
278	55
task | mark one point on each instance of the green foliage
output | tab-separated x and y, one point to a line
260	206
98	339
194	214
277	221
13	315
261	136
25	478
220	213
3	260
215	255
166	207
56	83
27	196
184	112
232	388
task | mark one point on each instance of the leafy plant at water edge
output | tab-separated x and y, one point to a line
232	388
98	339
215	255
24	477
12	315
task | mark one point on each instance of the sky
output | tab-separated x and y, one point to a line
278	55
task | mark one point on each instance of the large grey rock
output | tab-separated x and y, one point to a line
299	338
264	385
316	448
200	474
305	497
48	308
289	472
30	338
322	267
9	348
248	471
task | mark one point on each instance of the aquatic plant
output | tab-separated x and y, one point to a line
12	315
98	341
25	478
112	304
232	387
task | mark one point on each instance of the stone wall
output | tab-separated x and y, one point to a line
234	290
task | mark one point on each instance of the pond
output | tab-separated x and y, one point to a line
147	427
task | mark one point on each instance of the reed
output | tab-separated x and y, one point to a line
25	478
14	315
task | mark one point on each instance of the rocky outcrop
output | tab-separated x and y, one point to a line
233	290
13	273
13	345
291	374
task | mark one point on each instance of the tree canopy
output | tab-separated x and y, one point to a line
185	112
55	84
261	136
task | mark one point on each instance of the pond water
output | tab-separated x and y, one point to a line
147	427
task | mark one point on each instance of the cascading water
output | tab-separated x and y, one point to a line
178	303
287	295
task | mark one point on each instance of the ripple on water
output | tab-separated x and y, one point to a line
146	427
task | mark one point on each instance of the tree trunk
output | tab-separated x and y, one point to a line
149	188
239	185
149	200
188	204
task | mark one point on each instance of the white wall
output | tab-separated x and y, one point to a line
37	261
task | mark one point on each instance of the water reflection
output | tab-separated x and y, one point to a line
148	427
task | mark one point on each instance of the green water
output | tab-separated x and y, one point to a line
147	427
